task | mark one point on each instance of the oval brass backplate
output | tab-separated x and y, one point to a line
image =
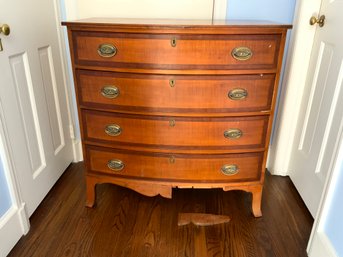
110	91
229	169
115	164
113	130
241	53
107	50
233	133
238	94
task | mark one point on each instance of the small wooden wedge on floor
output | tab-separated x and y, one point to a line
201	219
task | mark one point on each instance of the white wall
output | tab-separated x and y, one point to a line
179	9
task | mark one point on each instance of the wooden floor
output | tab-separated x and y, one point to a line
127	224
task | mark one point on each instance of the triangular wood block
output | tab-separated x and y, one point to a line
201	219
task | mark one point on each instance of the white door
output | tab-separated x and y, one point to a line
33	97
321	109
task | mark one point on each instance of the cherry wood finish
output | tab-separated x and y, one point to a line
153	51
177	168
190	94
174	103
195	132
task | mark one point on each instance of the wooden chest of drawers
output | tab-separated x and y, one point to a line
185	104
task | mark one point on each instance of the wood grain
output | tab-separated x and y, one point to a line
166	127
190	94
151	51
176	168
127	224
164	131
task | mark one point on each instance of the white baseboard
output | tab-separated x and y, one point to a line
77	151
13	225
321	246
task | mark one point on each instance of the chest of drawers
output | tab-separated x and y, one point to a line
165	104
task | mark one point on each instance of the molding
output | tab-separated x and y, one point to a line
11	230
68	81
322	247
77	151
24	219
319	244
293	84
219	9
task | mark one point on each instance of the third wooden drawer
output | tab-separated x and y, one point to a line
186	132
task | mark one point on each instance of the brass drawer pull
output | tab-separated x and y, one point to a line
115	164
241	53
110	91
113	130
107	50
233	133
237	94
229	169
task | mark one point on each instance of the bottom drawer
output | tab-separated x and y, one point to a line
176	167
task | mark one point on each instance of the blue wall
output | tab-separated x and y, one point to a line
334	225
281	11
5	198
272	10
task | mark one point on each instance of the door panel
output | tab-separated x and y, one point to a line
33	97
51	98
320	118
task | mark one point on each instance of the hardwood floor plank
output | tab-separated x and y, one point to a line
127	224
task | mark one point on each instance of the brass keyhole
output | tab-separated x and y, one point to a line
171	159
172	83
173	42
172	123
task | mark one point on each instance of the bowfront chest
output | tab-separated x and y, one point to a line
172	103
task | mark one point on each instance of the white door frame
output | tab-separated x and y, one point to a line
298	59
219	9
319	245
15	222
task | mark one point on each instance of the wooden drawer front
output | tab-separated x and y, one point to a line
177	132
175	93
156	51
202	168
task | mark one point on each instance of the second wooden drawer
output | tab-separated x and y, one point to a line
175	93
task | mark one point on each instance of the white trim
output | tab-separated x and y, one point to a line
319	242
77	151
322	247
68	83
219	9
11	230
293	86
15	222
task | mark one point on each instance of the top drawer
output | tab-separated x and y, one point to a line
174	51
